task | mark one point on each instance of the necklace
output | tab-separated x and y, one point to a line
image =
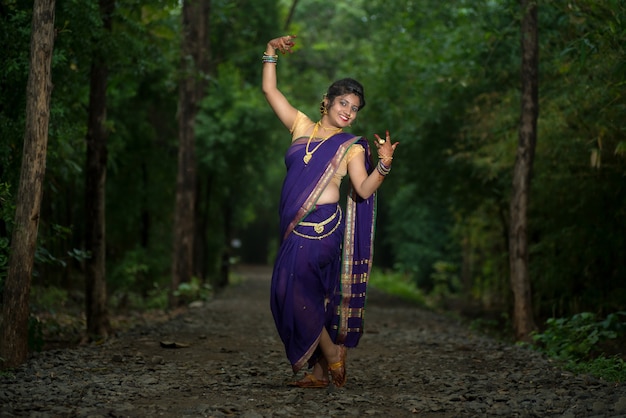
309	154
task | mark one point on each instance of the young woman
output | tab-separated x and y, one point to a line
322	267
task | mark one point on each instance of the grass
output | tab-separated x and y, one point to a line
398	285
611	369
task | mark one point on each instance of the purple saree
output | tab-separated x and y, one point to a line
324	259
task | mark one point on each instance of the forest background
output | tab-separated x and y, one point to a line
443	77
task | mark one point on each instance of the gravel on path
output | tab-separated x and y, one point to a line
224	359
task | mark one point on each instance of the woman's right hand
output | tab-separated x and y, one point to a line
283	44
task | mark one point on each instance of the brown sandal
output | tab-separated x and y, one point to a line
310	381
338	370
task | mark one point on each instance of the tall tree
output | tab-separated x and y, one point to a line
194	66
95	186
15	306
518	233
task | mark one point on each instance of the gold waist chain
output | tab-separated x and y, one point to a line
319	226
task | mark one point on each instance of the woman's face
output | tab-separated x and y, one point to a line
343	110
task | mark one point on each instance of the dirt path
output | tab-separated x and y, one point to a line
231	363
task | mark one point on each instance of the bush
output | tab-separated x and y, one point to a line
578	342
397	284
194	290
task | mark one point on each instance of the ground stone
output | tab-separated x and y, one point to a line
230	363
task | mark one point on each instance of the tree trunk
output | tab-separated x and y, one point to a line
98	325
194	62
201	259
15	307
523	320
146	219
222	281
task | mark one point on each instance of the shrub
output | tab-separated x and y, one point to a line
578	342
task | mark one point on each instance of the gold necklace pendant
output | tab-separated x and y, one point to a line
309	154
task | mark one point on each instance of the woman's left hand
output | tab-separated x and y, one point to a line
385	148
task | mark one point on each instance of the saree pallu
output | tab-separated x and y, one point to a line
321	272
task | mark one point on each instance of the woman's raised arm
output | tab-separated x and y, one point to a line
278	102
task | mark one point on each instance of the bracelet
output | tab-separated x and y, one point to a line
268	58
382	169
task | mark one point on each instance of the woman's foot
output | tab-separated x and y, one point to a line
310	381
337	368
318	379
320	369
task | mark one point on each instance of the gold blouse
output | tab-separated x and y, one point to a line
302	124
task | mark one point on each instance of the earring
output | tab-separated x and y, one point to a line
323	109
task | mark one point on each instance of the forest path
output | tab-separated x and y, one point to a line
410	363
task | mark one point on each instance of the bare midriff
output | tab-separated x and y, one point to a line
329	195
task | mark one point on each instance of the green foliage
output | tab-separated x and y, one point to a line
231	138
48	298
397	284
445	279
194	290
423	237
578	341
15	22
443	77
578	187
131	271
35	334
156	298
49	306
577	337
612	369
153	298
53	253
421	88
451	77
487	326
137	282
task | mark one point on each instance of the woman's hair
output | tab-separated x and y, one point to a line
346	86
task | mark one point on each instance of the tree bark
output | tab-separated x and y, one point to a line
98	325
194	65
523	320
202	211
15	306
